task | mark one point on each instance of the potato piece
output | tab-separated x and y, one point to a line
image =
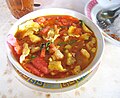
55	65
35	49
93	50
85	53
57	55
85	28
68	47
66	51
27	33
85	36
89	45
70	60
76	70
93	40
69	55
71	29
34	38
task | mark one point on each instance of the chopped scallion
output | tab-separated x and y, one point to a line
47	44
33	56
42	46
62	43
72	42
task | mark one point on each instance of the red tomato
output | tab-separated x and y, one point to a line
33	70
40	64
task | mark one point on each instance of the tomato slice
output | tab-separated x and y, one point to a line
32	69
40	64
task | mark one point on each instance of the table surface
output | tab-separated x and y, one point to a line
104	84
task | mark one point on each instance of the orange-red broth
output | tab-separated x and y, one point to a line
37	63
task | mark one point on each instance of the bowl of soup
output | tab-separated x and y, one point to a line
54	45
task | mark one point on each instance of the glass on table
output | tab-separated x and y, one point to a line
19	8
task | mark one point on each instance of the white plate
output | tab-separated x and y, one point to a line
91	10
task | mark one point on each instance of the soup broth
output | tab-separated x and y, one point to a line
54	46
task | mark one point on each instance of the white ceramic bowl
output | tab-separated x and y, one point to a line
59	11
